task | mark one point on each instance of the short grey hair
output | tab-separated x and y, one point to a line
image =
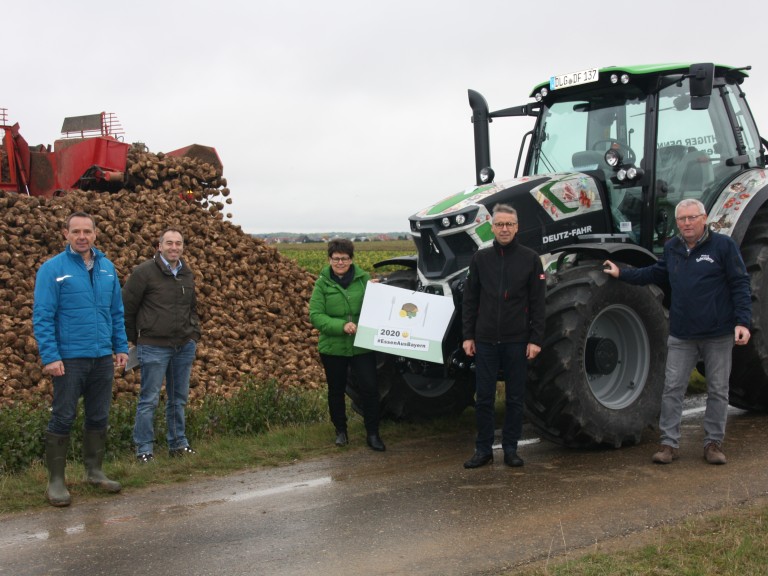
504	209
690	202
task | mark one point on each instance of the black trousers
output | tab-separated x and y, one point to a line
363	368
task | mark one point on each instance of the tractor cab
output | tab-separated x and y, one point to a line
651	136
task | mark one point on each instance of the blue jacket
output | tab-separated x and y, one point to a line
709	286
78	314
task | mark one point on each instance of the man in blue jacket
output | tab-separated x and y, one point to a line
78	322
710	311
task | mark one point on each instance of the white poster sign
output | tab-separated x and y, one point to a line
404	322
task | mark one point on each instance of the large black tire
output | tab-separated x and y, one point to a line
749	374
406	390
599	377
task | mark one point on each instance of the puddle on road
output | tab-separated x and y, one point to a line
80	527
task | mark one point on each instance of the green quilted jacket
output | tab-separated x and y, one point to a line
332	306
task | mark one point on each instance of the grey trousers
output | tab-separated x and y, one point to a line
682	356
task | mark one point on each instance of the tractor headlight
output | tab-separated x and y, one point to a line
460	219
613	158
486	175
446	222
621	175
633	173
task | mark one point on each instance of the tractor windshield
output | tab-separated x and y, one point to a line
575	134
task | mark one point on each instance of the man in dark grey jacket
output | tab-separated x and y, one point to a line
503	326
161	319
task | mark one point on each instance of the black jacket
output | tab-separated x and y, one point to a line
160	308
504	295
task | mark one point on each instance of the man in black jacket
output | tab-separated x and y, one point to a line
160	317
503	324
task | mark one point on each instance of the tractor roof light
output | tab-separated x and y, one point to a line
616	78
613	157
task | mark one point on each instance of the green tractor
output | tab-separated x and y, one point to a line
611	153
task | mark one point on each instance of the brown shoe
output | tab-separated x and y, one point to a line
665	455
713	454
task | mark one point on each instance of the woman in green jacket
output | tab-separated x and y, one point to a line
334	310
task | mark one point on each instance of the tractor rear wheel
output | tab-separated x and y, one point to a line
599	377
749	374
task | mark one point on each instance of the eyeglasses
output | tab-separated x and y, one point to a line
505	224
341	260
687	219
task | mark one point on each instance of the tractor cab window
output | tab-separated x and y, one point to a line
573	136
692	150
746	123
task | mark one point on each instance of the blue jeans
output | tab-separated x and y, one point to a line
682	356
175	365
510	357
90	378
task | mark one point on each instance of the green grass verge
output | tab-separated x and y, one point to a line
260	426
734	543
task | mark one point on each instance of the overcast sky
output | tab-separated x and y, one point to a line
344	115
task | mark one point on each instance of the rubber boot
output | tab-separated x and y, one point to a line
56	447
93	455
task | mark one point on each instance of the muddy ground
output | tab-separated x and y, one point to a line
411	510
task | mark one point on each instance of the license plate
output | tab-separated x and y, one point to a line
573	79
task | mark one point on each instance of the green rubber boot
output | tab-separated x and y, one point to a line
56	447
93	455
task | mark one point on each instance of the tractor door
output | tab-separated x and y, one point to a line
697	151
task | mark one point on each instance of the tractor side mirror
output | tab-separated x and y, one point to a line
702	78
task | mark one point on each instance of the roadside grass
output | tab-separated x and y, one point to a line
732	543
217	455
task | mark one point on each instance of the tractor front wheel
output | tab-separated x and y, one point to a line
599	377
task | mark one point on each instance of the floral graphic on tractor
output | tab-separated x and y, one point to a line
734	199
568	195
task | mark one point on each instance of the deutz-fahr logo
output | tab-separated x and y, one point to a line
566	234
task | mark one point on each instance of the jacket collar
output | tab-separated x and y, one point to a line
501	248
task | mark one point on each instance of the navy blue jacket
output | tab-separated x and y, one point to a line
710	286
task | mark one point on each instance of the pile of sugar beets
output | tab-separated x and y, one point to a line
252	302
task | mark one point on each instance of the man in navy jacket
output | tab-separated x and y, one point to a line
711	310
78	322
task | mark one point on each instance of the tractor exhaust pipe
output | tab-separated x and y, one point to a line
480	120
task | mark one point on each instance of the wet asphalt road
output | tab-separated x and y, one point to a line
411	510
